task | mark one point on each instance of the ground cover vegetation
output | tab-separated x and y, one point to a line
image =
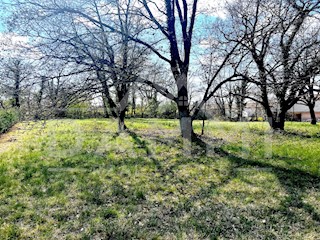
81	179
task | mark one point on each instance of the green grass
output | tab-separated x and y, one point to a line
79	179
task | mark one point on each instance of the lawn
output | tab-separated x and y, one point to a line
79	179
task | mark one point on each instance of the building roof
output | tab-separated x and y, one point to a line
301	108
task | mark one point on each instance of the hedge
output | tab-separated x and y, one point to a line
7	119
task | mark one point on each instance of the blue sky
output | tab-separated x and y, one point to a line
1	27
3	13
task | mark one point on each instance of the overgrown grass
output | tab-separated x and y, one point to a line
298	148
79	179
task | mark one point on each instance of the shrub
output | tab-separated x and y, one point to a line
7	119
168	110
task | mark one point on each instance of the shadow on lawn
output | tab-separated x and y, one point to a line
105	197
218	219
295	181
300	134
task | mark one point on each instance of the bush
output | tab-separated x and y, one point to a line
7	119
168	110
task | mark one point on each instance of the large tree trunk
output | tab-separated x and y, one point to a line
312	114
183	108
121	124
105	106
280	123
186	127
122	99
276	123
108	102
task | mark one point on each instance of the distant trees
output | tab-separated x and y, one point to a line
265	51
274	36
60	86
308	71
15	76
311	96
241	89
77	33
172	20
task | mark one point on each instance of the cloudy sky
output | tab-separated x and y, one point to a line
212	9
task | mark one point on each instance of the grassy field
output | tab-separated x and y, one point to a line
79	179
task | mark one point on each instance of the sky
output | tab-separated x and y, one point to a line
215	7
2	28
2	13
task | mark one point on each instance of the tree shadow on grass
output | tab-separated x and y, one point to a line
139	142
300	134
294	181
197	214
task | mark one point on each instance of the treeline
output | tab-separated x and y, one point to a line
129	55
86	110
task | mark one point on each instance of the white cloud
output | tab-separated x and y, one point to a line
13	45
215	8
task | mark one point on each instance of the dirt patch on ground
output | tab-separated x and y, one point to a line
9	138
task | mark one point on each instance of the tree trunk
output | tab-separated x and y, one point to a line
122	99
133	100
39	99
105	106
312	114
121	124
183	107
16	95
108	100
276	123
280	122
186	127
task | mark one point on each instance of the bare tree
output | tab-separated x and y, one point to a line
274	35
164	17
311	97
240	92
15	78
77	33
309	71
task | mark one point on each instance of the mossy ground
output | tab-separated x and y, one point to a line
79	179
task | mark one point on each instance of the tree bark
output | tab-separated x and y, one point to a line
312	114
121	125
16	94
105	106
122	100
133	100
108	102
186	127
39	99
276	123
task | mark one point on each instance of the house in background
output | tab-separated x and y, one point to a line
301	112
